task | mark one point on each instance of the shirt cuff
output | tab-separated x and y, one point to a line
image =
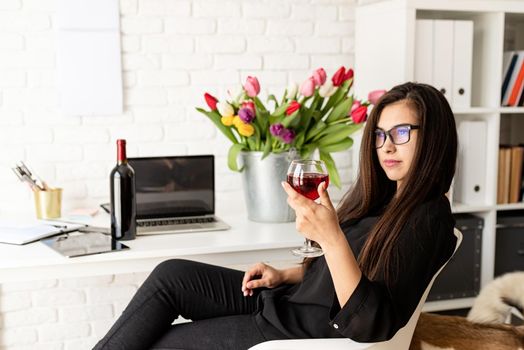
340	318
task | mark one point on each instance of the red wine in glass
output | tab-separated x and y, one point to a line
305	176
307	183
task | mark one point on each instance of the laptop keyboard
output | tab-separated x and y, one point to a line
180	221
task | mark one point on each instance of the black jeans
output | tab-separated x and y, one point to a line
208	295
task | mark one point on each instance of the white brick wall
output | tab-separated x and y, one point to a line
173	52
62	314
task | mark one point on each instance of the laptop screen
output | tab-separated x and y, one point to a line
174	186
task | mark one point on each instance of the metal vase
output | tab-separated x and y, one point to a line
266	200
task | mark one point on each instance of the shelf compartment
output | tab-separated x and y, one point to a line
512	206
459	208
452	304
488	33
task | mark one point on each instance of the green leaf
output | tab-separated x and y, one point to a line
299	139
252	144
337	96
337	147
215	118
267	147
315	130
262	120
328	130
290	118
340	111
337	133
308	112
259	105
257	137
334	177
279	111
307	150
274	99
232	156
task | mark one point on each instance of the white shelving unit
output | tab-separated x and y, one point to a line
385	56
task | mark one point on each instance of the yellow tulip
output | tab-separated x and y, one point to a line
227	121
237	121
245	129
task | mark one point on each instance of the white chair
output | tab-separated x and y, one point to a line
400	340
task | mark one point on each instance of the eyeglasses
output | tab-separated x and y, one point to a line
399	134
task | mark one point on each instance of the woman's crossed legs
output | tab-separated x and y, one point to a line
209	295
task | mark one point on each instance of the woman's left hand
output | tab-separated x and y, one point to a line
316	221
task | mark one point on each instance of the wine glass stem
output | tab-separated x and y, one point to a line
308	243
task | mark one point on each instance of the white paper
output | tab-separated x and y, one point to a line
90	73
88	14
88	57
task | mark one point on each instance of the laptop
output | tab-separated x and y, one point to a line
175	194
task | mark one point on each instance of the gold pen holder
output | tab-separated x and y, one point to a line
48	203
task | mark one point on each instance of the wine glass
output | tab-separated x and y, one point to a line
305	176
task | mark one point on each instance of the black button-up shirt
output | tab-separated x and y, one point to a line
375	311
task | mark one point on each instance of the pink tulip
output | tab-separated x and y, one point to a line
359	115
308	87
319	76
252	86
374	96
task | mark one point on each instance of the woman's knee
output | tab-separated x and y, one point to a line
172	269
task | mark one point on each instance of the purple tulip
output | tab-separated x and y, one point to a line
276	129
287	136
246	115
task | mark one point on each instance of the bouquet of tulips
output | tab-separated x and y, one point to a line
319	114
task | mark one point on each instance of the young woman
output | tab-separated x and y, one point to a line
389	236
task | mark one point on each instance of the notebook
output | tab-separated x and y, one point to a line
175	194
23	232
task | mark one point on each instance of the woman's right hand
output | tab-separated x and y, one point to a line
261	275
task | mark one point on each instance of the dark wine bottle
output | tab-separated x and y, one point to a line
123	201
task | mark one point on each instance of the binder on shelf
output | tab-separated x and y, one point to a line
470	182
521	98
515	182
509	62
443	49
444	57
513	79
517	87
424	55
504	173
500	176
462	63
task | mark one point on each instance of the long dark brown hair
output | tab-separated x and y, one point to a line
430	175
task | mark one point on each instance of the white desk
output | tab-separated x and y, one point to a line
245	243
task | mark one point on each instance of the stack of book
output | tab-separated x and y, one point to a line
512	93
510	176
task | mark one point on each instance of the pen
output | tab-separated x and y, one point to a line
25	175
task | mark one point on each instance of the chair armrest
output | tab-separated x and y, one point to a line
312	344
